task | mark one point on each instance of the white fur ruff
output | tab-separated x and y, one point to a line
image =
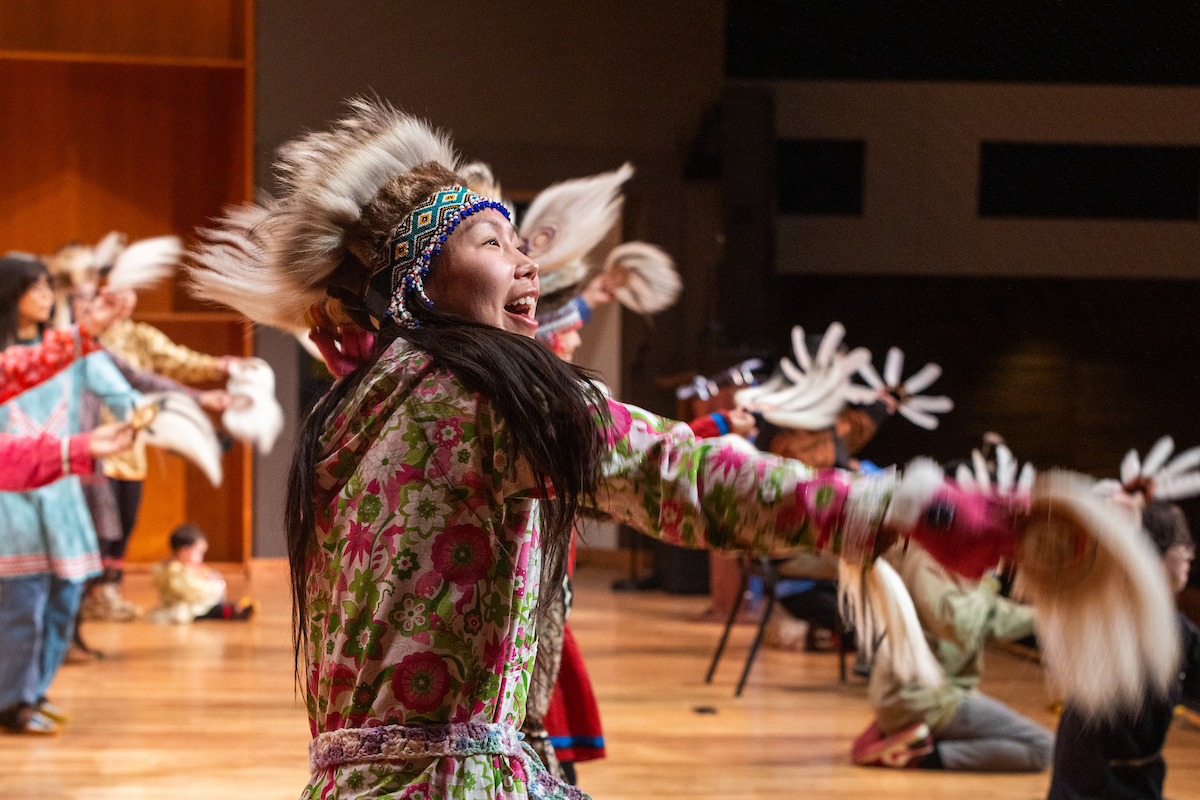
262	422
1107	625
182	427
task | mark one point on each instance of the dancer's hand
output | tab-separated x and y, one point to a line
108	440
216	400
599	291
102	311
225	363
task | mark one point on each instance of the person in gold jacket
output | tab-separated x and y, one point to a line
140	349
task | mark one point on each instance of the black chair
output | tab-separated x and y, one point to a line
769	571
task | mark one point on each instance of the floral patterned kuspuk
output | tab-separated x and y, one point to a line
423	581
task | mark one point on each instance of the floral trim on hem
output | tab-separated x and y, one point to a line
543	785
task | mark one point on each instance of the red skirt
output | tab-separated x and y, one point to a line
573	719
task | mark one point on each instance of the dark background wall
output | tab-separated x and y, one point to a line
1072	370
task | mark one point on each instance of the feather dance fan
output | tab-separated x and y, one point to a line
1105	615
174	422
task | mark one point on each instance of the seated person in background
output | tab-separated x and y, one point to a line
1122	758
187	589
954	726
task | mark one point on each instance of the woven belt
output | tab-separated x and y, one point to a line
399	743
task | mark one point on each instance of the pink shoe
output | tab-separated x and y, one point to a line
905	749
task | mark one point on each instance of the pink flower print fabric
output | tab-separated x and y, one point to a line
424	577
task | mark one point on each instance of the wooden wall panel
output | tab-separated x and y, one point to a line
135	115
178	28
92	148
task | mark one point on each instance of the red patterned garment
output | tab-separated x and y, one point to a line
25	366
573	719
27	462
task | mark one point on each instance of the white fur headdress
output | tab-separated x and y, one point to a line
272	261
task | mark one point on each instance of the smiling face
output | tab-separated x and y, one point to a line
482	275
36	303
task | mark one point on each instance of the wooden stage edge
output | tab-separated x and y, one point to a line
210	711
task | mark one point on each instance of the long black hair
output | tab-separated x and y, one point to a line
554	413
17	274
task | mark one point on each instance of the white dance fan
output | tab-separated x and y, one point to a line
809	396
1157	477
917	408
1105	615
261	421
174	422
643	277
1008	483
145	263
566	221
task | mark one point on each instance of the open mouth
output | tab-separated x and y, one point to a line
523	306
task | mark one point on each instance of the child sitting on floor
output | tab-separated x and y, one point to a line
187	589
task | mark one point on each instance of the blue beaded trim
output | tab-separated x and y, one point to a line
417	241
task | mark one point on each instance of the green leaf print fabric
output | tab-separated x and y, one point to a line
424	578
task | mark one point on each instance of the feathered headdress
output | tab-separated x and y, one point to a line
978	477
810	392
272	261
917	408
1160	476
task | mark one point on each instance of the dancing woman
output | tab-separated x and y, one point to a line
434	488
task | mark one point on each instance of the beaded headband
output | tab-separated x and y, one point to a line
415	242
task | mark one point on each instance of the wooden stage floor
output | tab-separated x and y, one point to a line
208	711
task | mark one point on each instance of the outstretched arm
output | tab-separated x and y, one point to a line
27	462
722	493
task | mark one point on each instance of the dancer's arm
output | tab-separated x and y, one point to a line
27	462
722	493
175	361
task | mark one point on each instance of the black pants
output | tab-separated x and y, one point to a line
816	606
129	500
